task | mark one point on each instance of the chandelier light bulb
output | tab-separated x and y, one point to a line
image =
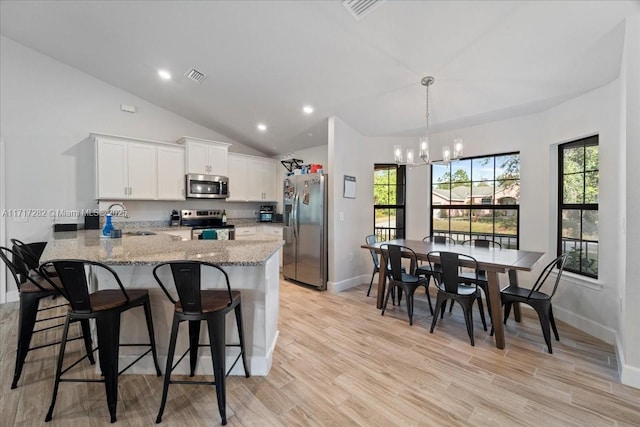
457	148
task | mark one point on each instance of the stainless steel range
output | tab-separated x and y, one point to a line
202	220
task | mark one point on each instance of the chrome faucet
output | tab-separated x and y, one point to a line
124	209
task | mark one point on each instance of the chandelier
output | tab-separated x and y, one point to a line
407	157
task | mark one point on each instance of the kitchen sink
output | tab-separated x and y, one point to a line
140	233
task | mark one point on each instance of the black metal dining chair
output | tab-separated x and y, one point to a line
405	282
451	288
538	300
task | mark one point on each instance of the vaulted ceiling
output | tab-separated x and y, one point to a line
264	60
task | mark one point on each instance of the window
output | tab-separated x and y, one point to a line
578	164
389	198
477	198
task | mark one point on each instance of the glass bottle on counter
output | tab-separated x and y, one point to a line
108	226
224	217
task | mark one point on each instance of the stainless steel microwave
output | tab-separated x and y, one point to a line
207	186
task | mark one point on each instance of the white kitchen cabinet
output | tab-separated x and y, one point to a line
205	157
171	175
247	233
126	170
238	179
251	178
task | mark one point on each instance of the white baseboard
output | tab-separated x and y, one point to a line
629	375
13	296
348	283
588	326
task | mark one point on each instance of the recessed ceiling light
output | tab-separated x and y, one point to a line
308	109
164	74
262	127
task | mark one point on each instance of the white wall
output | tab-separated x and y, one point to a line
47	111
630	206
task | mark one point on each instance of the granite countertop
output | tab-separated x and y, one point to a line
153	249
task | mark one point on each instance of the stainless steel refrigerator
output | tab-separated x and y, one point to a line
305	229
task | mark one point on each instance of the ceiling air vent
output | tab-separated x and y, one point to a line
361	8
195	75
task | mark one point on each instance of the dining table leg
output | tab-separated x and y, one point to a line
496	307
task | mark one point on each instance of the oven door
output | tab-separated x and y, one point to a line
225	232
207	186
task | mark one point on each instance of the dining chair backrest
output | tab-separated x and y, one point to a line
30	252
187	278
74	285
440	240
392	255
370	240
559	262
450	263
483	243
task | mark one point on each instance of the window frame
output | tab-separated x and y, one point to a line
593	140
401	184
495	206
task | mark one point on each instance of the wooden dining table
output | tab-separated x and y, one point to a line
492	260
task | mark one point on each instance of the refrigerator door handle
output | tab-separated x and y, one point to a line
294	216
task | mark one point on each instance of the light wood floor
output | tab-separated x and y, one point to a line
339	362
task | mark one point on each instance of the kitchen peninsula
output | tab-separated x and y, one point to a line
252	266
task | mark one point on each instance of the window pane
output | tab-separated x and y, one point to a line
392	176
572	188
508	167
573	160
460	220
440	174
440	196
571	219
506	222
482	222
507	192
592	158
482	169
590	225
461	194
482	194
440	220
461	171
591	187
590	258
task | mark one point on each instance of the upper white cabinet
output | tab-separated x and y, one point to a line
205	157
251	178
128	168
171	180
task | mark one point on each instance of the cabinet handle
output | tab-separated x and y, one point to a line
125	191
130	191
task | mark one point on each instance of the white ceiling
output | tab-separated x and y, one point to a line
265	59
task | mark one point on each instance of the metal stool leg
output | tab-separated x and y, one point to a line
216	326
108	326
194	339
238	312
63	344
152	338
28	314
169	367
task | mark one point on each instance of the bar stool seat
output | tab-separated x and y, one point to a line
195	305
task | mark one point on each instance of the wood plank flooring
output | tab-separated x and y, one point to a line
338	362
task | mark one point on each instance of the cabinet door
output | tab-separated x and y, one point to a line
112	169
268	179
171	180
246	233
198	158
142	172
238	180
217	160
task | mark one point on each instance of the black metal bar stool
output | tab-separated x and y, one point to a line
33	289
194	305
105	306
